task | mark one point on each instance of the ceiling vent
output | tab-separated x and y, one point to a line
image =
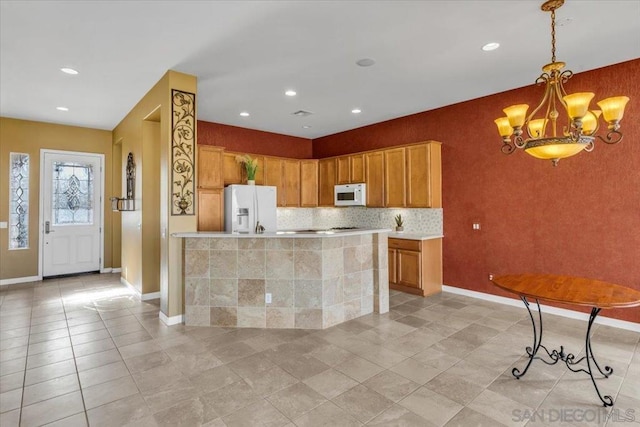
302	113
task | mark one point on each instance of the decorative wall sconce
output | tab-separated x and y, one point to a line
128	203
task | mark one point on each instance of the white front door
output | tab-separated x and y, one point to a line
72	213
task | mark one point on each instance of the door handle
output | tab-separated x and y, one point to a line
47	227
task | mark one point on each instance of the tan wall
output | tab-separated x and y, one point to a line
144	229
151	207
29	137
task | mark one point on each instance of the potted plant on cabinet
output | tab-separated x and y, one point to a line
250	166
399	223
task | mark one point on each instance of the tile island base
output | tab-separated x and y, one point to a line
302	281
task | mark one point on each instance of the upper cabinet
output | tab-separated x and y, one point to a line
394	178
232	169
296	181
210	170
326	181
424	176
291	183
308	183
405	176
273	170
374	177
343	174
356	163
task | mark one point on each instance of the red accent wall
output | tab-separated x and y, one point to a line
253	141
581	218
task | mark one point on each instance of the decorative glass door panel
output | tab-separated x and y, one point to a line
72	193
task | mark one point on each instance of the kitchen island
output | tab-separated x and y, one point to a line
303	280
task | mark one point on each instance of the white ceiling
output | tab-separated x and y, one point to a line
247	53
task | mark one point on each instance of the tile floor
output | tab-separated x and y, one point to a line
85	350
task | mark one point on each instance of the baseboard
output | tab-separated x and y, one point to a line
607	321
150	295
129	285
173	320
116	270
106	270
18	280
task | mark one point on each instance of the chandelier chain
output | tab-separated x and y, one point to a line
553	35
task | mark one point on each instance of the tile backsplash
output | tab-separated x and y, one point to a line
428	221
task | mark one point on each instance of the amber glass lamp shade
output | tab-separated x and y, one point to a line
516	115
578	104
555	151
537	128
590	122
504	128
613	108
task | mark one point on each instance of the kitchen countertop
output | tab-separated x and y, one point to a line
283	234
414	236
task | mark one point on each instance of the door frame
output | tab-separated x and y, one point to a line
43	151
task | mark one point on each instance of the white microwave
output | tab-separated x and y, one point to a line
351	195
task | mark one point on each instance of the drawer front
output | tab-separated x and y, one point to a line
410	245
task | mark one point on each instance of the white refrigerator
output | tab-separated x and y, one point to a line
247	205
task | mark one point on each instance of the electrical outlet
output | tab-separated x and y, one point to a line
267	298
476	226
490	276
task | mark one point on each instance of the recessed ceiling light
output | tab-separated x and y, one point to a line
290	92
356	111
365	62
62	109
306	127
244	114
69	71
490	46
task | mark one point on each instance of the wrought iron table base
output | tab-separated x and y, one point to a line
568	358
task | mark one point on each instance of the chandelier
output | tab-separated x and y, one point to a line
582	123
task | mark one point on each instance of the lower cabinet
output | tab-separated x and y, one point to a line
211	209
415	266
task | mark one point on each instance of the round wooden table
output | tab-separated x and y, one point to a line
568	290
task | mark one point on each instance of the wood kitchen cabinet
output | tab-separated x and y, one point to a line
210	209
235	172
424	176
232	169
210	170
210	192
374	177
343	170
394	178
273	175
308	183
326	181
291	183
356	163
415	266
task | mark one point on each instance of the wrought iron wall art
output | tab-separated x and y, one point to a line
19	201
183	112
128	203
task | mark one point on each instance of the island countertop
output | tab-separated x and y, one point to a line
295	234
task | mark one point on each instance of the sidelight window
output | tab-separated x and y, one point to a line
19	201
